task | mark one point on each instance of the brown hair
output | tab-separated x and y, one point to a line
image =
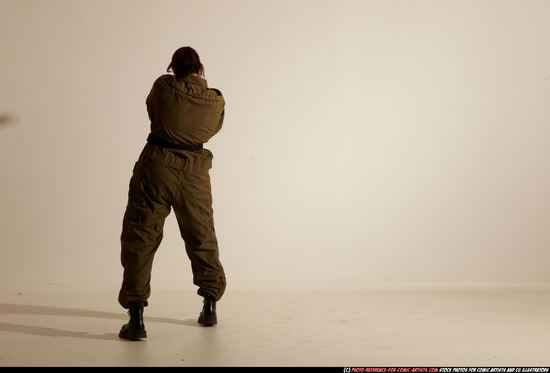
185	61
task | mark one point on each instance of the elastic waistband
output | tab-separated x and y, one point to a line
152	139
195	162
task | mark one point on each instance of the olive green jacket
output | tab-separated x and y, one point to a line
185	110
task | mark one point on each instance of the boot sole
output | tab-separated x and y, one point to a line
133	335
207	321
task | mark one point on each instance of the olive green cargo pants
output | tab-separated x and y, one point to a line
162	179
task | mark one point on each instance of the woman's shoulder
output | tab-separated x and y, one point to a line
218	92
164	78
167	81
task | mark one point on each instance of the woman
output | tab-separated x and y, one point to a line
172	172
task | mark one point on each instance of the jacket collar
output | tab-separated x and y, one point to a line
195	79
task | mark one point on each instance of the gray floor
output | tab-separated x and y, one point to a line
328	323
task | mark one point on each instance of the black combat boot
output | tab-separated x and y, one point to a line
135	329
208	315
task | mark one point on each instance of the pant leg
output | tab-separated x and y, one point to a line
194	213
149	203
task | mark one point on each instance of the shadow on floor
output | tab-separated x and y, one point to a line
26	309
52	332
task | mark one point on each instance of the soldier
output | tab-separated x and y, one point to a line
172	171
